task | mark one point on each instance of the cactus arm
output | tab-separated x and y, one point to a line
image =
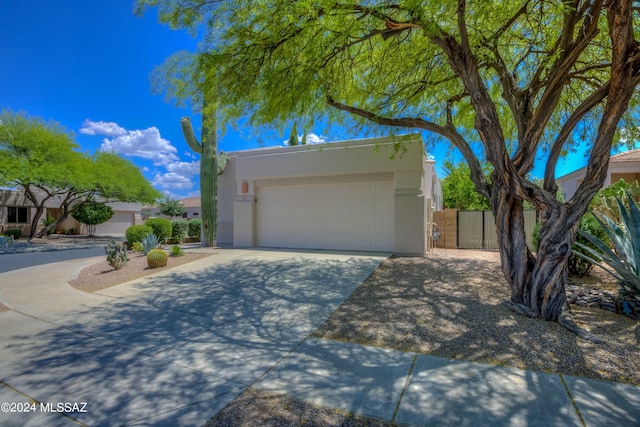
223	160
189	136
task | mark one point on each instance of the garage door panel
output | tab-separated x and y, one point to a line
357	216
116	226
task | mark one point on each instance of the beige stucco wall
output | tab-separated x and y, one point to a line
347	161
569	183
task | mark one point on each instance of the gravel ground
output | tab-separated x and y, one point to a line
450	304
257	408
101	275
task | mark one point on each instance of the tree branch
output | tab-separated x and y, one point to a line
571	50
448	132
568	127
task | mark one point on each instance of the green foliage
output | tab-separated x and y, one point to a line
605	201
157	258
176	250
458	191
42	158
179	230
194	228
91	214
14	232
576	264
293	136
118	179
149	242
135	233
161	227
116	255
137	247
171	207
47	221
624	263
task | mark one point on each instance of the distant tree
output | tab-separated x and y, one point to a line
92	213
41	159
171	207
458	190
293	136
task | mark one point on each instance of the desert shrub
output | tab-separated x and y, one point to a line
157	258
179	230
579	266
194	228
116	255
176	250
137	247
161	227
135	233
149	242
15	233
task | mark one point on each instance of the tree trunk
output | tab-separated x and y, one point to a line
537	282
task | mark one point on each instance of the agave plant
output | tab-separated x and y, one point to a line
149	242
624	263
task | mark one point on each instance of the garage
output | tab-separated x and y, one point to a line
344	216
116	226
364	195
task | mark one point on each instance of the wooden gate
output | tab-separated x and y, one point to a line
477	229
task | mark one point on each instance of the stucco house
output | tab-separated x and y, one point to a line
16	212
624	166
191	209
349	195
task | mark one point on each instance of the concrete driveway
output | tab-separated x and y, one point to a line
171	349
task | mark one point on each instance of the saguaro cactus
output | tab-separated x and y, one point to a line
211	165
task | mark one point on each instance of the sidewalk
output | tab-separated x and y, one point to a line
411	389
176	347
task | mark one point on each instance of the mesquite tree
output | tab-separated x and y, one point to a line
501	80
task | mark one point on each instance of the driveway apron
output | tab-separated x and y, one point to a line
170	349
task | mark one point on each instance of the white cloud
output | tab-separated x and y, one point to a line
172	181
171	175
312	138
146	144
184	168
101	128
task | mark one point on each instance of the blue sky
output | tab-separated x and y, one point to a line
86	65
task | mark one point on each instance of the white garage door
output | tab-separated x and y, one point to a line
348	216
116	226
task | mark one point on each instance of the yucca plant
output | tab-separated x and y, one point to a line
624	263
149	241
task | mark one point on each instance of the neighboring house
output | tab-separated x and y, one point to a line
16	212
624	166
350	195
191	210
